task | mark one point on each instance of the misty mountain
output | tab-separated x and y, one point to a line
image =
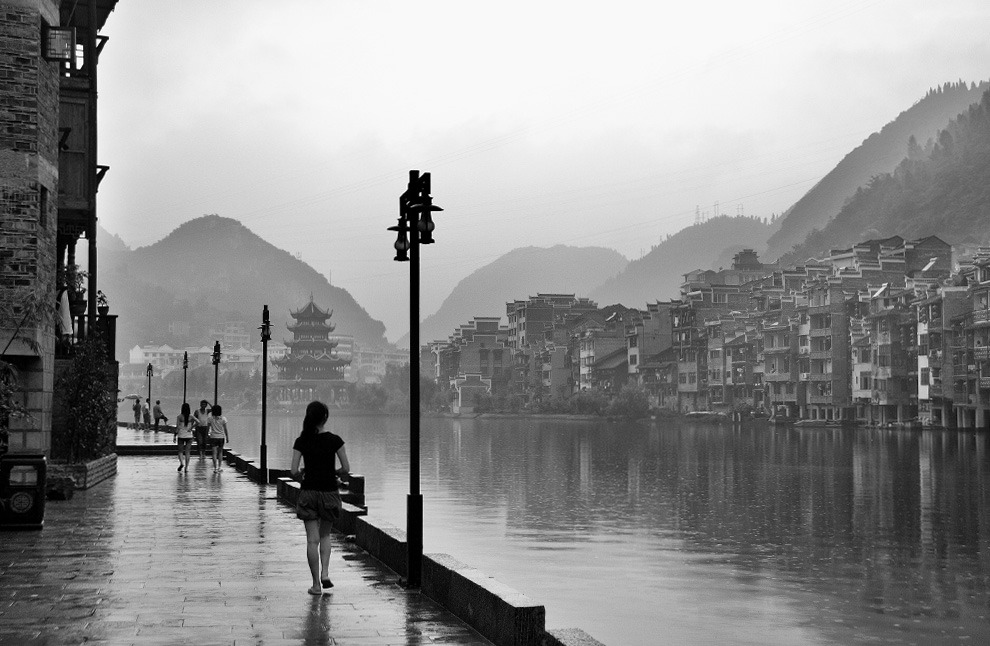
519	274
210	270
942	188
658	275
878	154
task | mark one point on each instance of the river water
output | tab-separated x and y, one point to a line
696	534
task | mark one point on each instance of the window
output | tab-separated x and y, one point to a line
923	376
633	341
633	359
864	381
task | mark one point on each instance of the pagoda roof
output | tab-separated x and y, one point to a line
309	358
311	310
310	325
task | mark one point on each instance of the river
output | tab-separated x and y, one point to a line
696	534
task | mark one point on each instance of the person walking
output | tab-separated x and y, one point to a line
137	412
218	434
202	417
185	425
146	413
318	505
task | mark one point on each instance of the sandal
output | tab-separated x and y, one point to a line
326	583
315	591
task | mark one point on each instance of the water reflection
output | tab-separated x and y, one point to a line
782	535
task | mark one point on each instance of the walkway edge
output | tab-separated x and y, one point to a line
503	615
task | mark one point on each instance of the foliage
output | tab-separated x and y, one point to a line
10	406
937	189
632	402
85	408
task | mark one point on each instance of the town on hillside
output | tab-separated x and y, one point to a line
887	332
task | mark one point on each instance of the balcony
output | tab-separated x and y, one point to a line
819	399
777	376
821	354
822	331
805	376
804	350
981	353
981	316
934	390
985	383
820	376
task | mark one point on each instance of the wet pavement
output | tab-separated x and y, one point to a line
155	556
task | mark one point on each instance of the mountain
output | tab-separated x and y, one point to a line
210	270
658	275
518	274
940	189
878	154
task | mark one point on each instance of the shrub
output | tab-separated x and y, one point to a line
85	405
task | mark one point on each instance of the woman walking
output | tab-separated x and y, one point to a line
218	434
184	425
319	503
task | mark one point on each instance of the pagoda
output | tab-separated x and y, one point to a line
311	368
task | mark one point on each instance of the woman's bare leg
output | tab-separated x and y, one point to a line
313	553
326	527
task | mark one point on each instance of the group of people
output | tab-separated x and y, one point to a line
207	426
143	411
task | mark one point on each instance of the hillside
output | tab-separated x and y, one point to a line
214	269
940	189
518	274
878	154
658	274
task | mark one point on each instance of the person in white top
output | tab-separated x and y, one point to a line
185	424
218	434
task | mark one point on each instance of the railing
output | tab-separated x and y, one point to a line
981	353
981	315
985	382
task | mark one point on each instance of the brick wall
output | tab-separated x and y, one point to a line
29	109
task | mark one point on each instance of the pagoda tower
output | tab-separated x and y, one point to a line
311	368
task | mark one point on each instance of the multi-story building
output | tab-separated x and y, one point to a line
49	175
893	348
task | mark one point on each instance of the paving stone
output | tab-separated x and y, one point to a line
153	556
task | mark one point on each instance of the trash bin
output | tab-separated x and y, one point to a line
22	490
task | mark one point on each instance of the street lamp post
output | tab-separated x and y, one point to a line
415	217
185	371
216	369
150	371
266	335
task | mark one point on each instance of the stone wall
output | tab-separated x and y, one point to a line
29	113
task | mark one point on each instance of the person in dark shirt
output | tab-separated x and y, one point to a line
319	503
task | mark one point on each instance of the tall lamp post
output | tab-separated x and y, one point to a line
185	371
216	370
416	218
266	335
149	371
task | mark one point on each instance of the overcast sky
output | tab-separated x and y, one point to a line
542	123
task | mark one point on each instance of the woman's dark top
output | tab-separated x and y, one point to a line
319	453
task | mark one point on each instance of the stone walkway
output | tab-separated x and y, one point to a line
154	556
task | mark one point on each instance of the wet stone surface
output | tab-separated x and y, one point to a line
159	557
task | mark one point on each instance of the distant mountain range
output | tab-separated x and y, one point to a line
879	153
214	269
517	275
926	172
659	274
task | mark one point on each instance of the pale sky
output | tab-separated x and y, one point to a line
542	123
